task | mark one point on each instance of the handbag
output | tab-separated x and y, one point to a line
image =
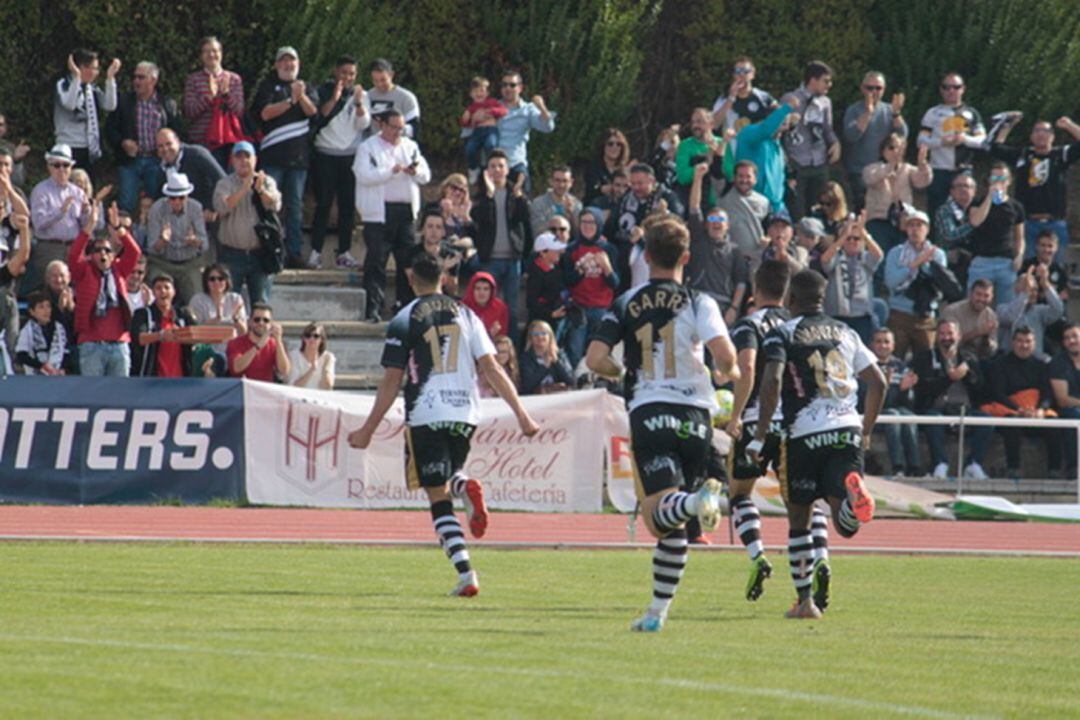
225	128
271	236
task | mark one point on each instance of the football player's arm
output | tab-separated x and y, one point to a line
723	353
768	397
384	400
874	380
744	384
498	381
598	359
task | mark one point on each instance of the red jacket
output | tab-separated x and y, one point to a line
496	311
87	280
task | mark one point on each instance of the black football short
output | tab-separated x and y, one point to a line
671	445
814	466
740	467
433	453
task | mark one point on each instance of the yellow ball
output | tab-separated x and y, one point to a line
725	399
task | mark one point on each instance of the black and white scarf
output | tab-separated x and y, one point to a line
107	297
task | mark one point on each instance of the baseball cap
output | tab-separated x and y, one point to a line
812	227
914	214
286	50
243	147
547	241
778	216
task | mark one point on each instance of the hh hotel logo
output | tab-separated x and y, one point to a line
312	453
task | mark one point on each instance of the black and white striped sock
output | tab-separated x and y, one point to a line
801	556
457	485
669	563
747	519
847	520
451	536
819	529
674	510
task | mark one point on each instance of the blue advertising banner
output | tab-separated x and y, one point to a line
120	440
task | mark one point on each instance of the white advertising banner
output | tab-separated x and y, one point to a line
297	452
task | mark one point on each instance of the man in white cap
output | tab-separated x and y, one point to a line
284	105
905	263
57	210
545	288
176	240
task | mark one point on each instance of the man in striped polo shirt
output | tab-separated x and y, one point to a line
284	104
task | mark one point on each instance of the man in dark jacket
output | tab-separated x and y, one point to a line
195	161
154	349
503	230
132	130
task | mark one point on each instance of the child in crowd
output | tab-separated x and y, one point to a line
42	341
505	355
480	123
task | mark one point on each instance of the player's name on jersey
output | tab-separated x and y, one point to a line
661	299
810	334
421	311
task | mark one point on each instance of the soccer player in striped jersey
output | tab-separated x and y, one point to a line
435	344
812	361
665	327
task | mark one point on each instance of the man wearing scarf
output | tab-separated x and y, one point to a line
102	310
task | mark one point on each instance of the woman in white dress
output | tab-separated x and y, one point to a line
311	366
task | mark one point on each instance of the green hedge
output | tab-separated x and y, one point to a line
636	64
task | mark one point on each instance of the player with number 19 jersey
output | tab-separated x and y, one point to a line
437	341
822	358
663	326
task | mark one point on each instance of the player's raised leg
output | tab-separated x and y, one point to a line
471	494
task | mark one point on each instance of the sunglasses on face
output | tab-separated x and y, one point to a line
510	84
216	278
311	335
538	333
59	166
101	249
951	87
743	70
613	143
998	178
873	88
260	320
717	218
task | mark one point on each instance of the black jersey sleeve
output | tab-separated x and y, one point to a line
396	350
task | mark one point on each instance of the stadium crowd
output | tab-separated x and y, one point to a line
962	302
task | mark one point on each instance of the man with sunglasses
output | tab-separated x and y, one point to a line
260	354
58	208
521	118
716	266
1041	177
744	104
866	125
952	131
100	266
557	202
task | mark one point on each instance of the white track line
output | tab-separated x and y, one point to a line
696	685
526	545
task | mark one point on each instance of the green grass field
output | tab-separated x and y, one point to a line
197	631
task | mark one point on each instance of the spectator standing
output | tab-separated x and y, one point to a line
545	292
890	185
311	365
867	124
544	367
79	106
949	382
849	264
662	159
503	231
716	266
12	265
903	440
481	296
455	205
260	354
701	147
644	198
1041	178
132	130
952	131
1046	250
812	144
155	351
1064	376
343	116
16	150
96	201
831	208
102	309
976	320
810	235
42	343
997	238
779	233
58	207
520	120
177	242
385	96
201	168
613	155
139	293
744	104
589	271
234	202
209	88
389	171
480	123
1018	386
912	326
557	201
1025	311
746	209
760	144
284	105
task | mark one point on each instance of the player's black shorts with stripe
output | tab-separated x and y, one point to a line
671	445
740	467
433	453
814	466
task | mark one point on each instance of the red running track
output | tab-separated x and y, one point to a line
414	526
